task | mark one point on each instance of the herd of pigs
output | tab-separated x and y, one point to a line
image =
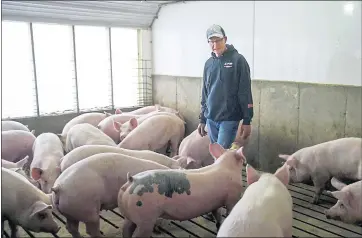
142	163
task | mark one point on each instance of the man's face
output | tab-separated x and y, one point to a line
217	45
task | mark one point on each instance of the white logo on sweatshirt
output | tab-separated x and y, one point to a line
228	64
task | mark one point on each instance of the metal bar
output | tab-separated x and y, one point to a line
34	68
75	69
111	68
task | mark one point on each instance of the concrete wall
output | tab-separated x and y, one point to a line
54	123
287	115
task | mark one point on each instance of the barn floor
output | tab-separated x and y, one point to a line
308	221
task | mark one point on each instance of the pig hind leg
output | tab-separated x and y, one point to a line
319	180
13	229
93	229
145	228
128	228
174	142
73	228
217	215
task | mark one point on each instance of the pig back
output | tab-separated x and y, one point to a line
16	145
341	157
85	151
13	125
155	131
92	118
86	134
100	176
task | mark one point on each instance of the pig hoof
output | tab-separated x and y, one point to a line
210	217
315	200
218	226
156	230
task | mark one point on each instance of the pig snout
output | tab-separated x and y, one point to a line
330	215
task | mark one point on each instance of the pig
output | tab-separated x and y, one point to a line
93	118
85	151
160	193
20	168
13	125
86	134
125	128
20	164
25	205
92	185
339	158
265	209
107	124
349	205
16	145
45	167
156	107
155	134
195	147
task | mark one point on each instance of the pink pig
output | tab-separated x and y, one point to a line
92	185
16	145
156	107
107	125
125	128
155	134
93	118
349	205
161	193
336	158
265	209
13	125
45	167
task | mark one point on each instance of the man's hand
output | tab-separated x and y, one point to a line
201	129
246	130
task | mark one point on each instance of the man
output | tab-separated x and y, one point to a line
226	92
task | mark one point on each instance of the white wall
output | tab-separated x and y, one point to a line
316	42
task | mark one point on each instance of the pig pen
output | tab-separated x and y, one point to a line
308	221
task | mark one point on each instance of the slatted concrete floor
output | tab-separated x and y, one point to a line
308	221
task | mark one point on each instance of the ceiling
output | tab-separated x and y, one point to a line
135	14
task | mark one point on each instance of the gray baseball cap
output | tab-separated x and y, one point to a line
215	31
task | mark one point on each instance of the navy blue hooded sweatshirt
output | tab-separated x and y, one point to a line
226	90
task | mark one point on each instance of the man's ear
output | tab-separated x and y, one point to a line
226	38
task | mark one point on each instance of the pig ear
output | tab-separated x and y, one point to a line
58	169
240	155
27	126
216	150
133	123
117	125
283	156
36	173
176	157
344	196
33	132
118	111
292	162
157	107
39	207
190	160
337	184
283	174
251	174
21	163
107	113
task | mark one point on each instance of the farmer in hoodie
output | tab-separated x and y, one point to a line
226	91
